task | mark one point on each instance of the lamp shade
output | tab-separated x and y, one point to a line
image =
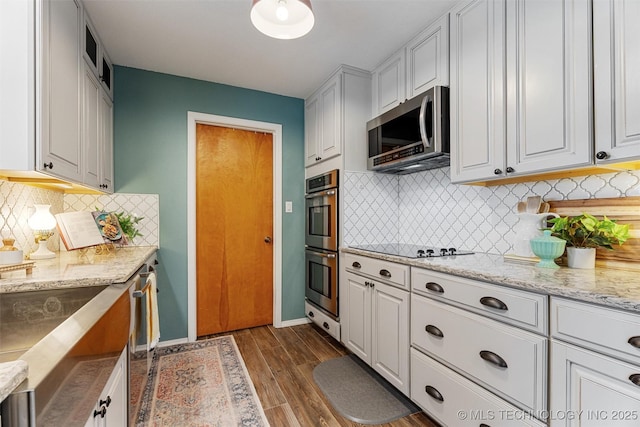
282	19
42	219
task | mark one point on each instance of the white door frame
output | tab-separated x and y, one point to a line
232	122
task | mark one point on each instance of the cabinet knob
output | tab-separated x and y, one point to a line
48	165
433	392
325	325
102	412
310	314
510	169
497	171
493	358
356	264
601	155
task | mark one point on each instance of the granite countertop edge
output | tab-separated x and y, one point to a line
603	286
73	270
11	375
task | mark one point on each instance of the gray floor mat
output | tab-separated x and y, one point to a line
358	393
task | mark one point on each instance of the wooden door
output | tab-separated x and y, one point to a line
234	222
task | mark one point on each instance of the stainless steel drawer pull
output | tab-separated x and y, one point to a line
484	425
433	286
385	273
431	391
634	341
635	378
491	357
433	330
493	303
356	264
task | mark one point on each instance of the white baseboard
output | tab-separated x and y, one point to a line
294	322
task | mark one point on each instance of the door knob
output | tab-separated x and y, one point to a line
267	239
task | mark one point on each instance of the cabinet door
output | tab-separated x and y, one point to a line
616	86
106	143
390	340
91	125
389	84
358	313
596	387
311	130
116	390
477	98
549	113
428	58
331	119
60	127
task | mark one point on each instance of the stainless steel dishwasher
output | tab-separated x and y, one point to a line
82	350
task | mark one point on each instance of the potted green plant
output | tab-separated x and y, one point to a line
584	233
129	225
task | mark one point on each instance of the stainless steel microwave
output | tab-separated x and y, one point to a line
413	136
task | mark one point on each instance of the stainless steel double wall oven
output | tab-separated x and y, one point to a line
321	242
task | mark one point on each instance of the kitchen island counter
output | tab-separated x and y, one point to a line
609	287
77	269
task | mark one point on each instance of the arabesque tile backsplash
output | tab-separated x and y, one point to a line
17	200
426	208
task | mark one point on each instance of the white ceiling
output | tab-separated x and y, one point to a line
214	40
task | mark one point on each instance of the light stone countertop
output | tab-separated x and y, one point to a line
11	375
609	287
76	269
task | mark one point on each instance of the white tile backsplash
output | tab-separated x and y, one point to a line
426	208
17	200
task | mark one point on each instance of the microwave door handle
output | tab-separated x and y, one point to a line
423	121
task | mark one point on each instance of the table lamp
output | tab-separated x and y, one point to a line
43	223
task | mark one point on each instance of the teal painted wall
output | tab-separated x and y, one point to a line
150	156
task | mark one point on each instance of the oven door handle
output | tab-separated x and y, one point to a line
322	254
321	194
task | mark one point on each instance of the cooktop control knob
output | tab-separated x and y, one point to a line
452	251
420	253
429	252
443	251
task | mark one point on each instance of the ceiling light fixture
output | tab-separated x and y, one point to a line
282	19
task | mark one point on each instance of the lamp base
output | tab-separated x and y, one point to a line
43	252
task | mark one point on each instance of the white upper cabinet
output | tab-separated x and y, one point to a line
388	84
616	83
428	58
61	90
419	65
549	103
543	100
477	94
323	118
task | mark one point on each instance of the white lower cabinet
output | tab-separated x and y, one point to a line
375	327
506	360
111	410
453	400
592	390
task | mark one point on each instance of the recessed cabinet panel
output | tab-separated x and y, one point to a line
549	114
616	86
358	314
389	84
330	124
477	98
91	127
61	90
106	144
428	58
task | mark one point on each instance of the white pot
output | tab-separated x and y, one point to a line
581	257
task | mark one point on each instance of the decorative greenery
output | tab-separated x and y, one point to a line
129	223
586	231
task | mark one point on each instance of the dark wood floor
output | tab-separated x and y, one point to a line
281	361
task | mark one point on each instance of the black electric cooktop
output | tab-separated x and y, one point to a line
411	251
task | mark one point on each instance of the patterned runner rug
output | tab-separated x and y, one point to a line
200	384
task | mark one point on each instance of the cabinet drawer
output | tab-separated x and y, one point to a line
601	329
524	309
510	361
385	271
463	403
325	322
